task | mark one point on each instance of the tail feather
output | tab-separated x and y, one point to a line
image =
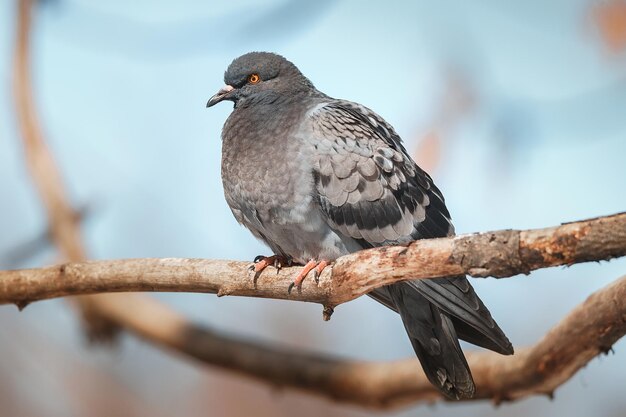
471	318
436	313
435	342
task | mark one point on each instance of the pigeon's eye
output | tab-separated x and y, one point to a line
254	78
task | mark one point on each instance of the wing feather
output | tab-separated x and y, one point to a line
371	190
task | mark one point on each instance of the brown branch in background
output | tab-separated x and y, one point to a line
502	253
63	220
590	329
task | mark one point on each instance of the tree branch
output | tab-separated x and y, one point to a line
62	218
590	329
502	253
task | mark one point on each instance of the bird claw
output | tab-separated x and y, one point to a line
281	262
261	262
317	272
312	265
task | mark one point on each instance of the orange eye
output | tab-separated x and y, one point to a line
254	78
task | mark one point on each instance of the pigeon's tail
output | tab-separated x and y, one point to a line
435	342
436	313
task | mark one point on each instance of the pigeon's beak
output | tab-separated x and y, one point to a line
223	94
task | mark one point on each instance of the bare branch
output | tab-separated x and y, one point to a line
502	253
62	218
590	329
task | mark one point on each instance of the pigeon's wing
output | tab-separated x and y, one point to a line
370	189
368	186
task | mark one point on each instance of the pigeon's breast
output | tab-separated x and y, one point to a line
267	173
265	165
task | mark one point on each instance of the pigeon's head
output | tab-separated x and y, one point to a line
258	77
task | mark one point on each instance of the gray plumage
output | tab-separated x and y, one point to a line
317	178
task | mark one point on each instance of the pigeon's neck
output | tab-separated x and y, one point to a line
273	111
252	121
277	100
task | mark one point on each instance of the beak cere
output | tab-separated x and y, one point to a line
221	95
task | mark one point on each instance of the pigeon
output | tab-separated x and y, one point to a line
316	178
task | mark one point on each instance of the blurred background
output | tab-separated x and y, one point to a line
516	108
